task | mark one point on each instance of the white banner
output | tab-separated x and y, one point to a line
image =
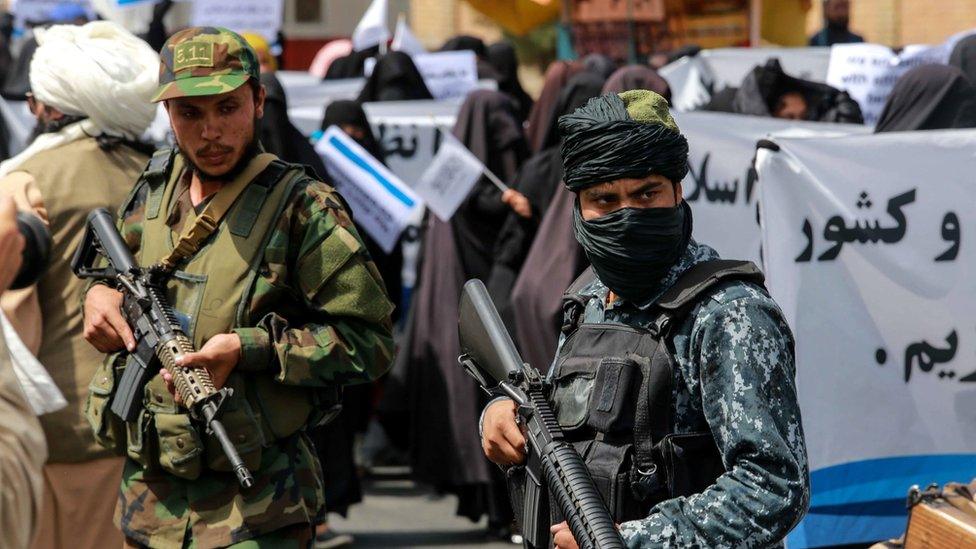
691	78
449	178
447	74
869	250
719	187
407	133
260	16
382	205
868	72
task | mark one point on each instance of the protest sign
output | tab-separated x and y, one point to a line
447	74
720	186
260	16
871	260
407	133
449	178
38	10
381	204
868	72
693	79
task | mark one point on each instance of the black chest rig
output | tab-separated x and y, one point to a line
612	394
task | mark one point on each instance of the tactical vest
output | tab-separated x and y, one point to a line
209	292
612	394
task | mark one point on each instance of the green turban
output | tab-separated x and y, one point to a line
631	134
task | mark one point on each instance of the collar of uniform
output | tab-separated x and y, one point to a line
695	253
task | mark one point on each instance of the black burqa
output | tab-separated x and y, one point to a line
638	77
930	97
352	65
538	180
503	58
463	42
540	118
16	83
765	84
278	135
444	403
963	57
394	78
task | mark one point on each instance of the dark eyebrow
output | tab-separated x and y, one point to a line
650	185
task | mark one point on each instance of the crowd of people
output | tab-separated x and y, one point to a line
320	300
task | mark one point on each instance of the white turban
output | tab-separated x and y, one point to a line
98	70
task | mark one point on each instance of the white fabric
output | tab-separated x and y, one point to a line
371	30
98	70
41	392
404	40
868	249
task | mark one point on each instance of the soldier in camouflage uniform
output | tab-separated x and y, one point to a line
274	287
703	446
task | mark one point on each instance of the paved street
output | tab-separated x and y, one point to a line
398	513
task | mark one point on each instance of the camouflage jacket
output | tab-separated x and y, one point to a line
735	377
318	321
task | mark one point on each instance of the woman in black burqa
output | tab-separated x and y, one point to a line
538	180
503	58
442	402
929	97
394	78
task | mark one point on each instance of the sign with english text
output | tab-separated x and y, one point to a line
868	249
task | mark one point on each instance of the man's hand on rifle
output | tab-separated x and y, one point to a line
562	536
105	327
219	356
502	439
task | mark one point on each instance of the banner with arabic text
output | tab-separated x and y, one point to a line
868	243
721	186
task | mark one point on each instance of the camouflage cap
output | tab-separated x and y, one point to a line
201	61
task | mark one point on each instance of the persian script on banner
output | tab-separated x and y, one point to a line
873	261
381	204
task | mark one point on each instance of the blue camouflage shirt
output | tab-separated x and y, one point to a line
735	377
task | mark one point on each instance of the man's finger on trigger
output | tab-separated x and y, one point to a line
122	329
513	435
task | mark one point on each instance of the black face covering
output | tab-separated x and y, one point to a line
632	249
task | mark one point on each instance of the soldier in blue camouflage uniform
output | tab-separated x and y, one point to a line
733	353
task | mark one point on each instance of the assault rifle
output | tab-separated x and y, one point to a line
553	467
160	339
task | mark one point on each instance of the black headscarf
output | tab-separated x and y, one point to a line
765	84
352	65
541	116
464	42
503	58
638	77
278	135
599	64
394	78
930	97
963	57
486	70
351	113
577	91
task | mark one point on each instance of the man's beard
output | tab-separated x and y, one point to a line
250	151
52	126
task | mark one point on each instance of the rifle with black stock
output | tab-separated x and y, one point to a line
553	467
160	340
